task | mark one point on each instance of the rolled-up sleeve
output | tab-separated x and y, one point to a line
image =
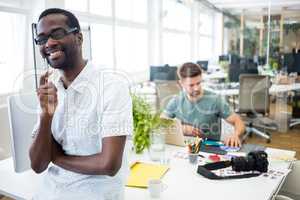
171	108
116	115
223	107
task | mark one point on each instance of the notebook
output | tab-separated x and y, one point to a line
141	173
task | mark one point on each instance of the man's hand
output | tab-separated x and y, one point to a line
57	151
47	94
233	140
197	132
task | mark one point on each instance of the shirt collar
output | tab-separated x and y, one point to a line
78	84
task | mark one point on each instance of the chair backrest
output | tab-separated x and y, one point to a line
165	92
203	64
22	113
254	94
291	185
163	73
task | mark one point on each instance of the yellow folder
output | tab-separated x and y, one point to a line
141	172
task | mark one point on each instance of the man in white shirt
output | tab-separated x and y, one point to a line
86	115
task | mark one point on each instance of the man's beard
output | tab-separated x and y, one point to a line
68	61
195	93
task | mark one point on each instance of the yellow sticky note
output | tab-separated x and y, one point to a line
141	172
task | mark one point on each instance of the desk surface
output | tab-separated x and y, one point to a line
275	88
182	182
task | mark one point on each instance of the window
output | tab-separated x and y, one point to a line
12	47
205	40
176	48
100	7
132	10
78	5
102	47
176	15
206	24
11	3
205	48
131	49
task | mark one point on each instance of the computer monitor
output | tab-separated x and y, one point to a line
203	64
254	94
163	73
22	113
244	66
296	65
234	72
288	62
261	60
251	68
234	59
223	58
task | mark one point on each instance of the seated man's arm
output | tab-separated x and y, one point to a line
171	111
108	162
239	129
189	130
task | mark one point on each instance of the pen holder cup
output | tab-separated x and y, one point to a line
193	158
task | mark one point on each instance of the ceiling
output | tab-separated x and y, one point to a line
254	7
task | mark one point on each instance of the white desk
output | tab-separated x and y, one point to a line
17	185
182	182
215	75
275	88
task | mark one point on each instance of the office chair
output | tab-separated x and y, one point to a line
165	92
295	120
291	187
22	112
254	104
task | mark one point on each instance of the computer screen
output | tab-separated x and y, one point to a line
163	73
288	62
223	58
203	64
296	66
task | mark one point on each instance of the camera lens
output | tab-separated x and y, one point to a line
254	161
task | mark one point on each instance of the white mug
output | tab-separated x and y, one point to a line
156	187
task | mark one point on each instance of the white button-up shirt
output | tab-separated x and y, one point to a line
97	104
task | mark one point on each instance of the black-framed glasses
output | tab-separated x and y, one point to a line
55	34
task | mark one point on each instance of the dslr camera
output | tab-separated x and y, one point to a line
254	161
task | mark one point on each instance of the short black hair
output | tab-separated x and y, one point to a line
189	70
72	21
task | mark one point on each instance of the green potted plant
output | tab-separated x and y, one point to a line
145	121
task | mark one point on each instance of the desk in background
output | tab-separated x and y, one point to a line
182	181
275	88
278	90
